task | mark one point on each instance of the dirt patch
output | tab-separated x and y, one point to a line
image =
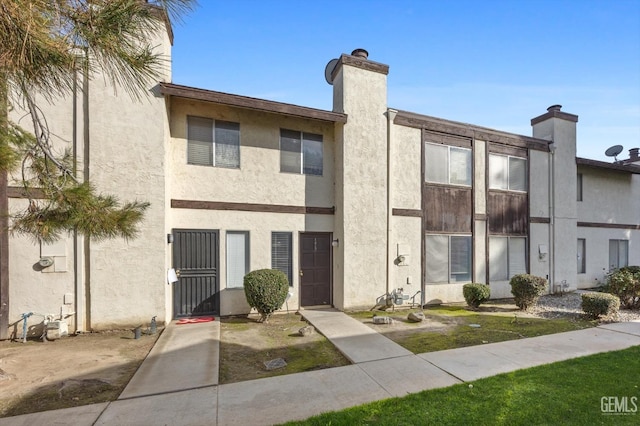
68	372
246	345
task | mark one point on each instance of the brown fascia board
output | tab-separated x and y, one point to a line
618	167
170	89
439	125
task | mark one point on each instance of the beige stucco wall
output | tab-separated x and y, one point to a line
258	180
124	282
362	226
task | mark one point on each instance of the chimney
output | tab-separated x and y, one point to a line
634	155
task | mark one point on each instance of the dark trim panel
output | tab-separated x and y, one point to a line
20	192
361	63
170	89
438	125
607	225
249	207
439	138
629	168
539	220
508	150
407	212
554	113
480	216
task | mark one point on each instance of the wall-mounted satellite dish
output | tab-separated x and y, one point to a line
329	70
614	151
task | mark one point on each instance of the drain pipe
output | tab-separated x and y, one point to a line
391	115
552	214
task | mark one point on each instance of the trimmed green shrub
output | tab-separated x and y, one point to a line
600	304
527	289
475	294
625	283
266	290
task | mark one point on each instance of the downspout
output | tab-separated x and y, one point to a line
391	115
85	157
552	214
78	263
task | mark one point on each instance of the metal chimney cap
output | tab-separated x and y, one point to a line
554	108
360	53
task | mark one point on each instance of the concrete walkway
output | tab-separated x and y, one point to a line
174	386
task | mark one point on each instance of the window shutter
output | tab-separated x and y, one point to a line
436	163
437	258
312	154
227	144
497	171
498	259
281	258
517	256
290	151
460	258
200	141
237	258
460	166
517	174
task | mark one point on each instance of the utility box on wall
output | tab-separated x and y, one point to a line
53	257
403	256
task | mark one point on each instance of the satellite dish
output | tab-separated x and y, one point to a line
329	70
613	151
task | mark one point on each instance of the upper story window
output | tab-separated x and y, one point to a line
213	142
507	173
449	165
300	152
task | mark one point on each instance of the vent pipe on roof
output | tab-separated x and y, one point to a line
360	53
634	155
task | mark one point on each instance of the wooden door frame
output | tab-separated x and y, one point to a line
330	234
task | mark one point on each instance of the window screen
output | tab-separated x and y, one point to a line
507	257
507	173
312	154
517	174
237	258
447	165
581	255
200	141
448	258
618	253
227	144
281	254
460	166
460	253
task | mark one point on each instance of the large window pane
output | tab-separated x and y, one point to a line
498	259
436	163
460	166
227	144
517	174
517	256
290	151
200	141
498	172
437	258
312	153
237	258
281	258
460	258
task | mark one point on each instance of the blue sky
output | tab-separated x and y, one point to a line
493	63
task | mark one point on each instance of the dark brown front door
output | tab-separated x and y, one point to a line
315	269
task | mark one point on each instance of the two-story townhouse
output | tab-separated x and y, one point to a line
352	204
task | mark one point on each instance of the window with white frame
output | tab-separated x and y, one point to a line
618	254
281	254
448	258
300	152
581	255
507	257
507	173
237	258
449	165
213	142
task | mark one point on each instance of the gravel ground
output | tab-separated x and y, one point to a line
554	306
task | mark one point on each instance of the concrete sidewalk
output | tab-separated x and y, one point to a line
384	372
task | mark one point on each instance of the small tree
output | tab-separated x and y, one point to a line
475	294
527	289
266	290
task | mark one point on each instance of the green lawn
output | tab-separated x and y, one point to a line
564	393
492	328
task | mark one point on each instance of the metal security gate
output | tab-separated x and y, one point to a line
315	269
195	259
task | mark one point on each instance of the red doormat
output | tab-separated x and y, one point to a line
195	320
